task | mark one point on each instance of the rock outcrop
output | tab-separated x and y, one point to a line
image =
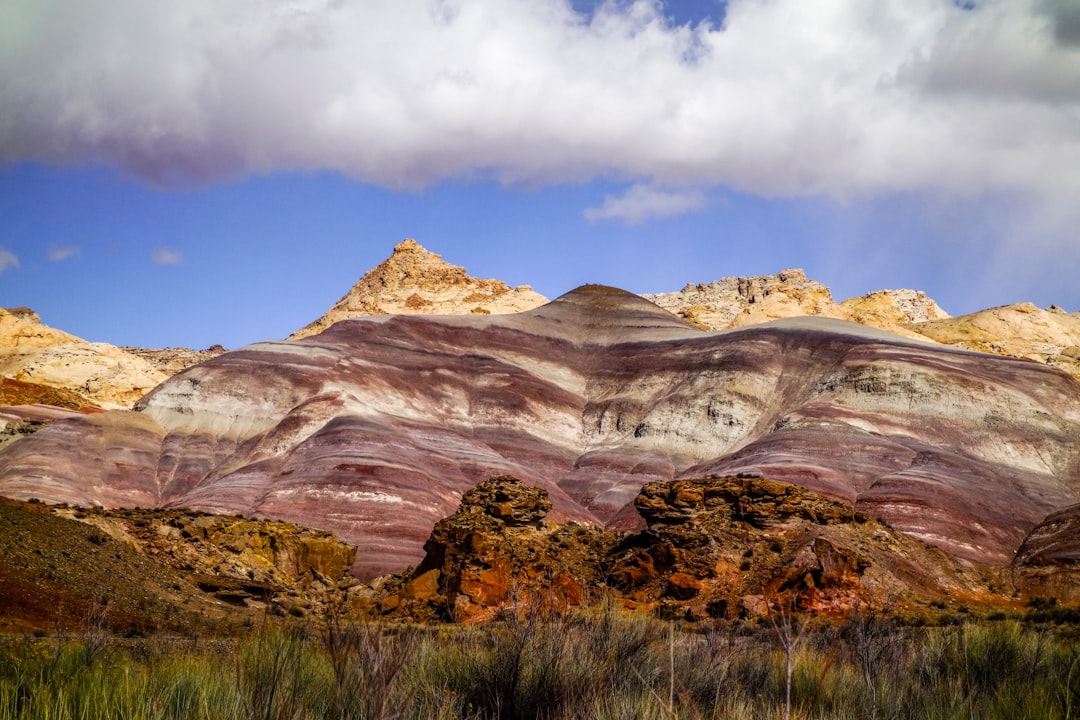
1047	565
497	551
720	547
415	281
740	301
240	561
175	359
17	392
63	576
892	309
1022	331
103	374
377	427
713	548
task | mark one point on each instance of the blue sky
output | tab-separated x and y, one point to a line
223	173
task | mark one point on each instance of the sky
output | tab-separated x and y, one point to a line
208	171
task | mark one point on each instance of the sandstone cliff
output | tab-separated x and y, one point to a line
1021	330
740	301
173	360
736	302
414	281
103	374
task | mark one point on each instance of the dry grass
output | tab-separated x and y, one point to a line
592	665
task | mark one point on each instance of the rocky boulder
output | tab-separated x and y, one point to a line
497	552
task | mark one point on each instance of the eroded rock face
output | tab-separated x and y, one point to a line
892	309
18	392
715	547
375	428
103	374
1047	565
741	301
173	360
244	562
496	551
1022	330
718	547
415	281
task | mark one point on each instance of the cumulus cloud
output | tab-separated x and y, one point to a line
643	202
8	259
166	256
785	98
58	253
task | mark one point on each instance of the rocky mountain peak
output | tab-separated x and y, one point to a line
414	281
740	301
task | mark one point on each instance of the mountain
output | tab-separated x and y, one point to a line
736	302
375	428
740	301
39	364
1022	330
100	374
414	281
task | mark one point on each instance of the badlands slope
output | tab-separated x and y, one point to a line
376	427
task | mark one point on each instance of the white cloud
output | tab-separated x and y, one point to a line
166	256
58	253
642	202
8	259
787	98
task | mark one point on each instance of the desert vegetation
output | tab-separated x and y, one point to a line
596	664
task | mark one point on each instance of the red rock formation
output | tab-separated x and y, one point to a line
376	428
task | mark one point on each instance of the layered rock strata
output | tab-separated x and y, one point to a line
375	428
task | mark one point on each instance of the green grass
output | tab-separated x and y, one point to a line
591	665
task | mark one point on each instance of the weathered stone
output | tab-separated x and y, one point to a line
713	542
682	586
414	280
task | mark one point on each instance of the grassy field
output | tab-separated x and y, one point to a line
593	665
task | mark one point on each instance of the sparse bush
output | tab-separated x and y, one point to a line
590	664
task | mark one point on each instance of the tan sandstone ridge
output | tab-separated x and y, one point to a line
104	374
1050	336
414	281
1021	330
737	302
